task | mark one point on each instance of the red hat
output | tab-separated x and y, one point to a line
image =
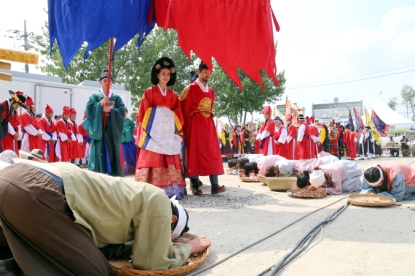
307	119
84	115
48	109
267	110
29	101
288	117
66	110
73	111
312	119
19	93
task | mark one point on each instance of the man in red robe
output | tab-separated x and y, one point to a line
280	137
314	137
75	147
266	133
10	121
201	154
84	141
64	136
303	139
291	139
49	136
30	127
351	142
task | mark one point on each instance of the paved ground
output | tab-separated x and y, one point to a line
361	241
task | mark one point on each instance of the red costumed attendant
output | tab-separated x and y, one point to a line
280	137
10	121
49	136
64	136
160	121
76	147
266	133
291	139
30	127
201	154
303	139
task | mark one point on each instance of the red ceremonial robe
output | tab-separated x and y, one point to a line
64	133
82	132
257	144
161	170
202	153
30	129
9	143
313	132
351	144
49	132
292	144
303	143
281	148
75	147
267	132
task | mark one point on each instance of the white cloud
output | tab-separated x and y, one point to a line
398	19
405	41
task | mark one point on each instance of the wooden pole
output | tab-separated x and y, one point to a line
107	90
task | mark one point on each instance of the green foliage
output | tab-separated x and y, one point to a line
132	68
234	103
393	103
408	98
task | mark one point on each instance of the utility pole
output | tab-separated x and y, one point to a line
26	46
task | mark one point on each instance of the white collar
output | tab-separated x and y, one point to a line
204	88
109	94
161	90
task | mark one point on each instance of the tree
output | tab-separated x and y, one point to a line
393	103
408	98
130	66
236	104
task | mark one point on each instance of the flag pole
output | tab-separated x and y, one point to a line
107	89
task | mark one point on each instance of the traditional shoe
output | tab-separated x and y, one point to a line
197	192
361	158
219	190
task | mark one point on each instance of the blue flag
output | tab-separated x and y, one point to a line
379	124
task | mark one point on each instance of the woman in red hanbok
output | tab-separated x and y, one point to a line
160	121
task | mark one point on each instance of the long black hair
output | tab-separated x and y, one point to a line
250	167
303	179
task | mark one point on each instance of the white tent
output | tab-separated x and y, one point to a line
387	114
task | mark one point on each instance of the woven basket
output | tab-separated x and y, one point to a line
306	193
261	178
281	183
248	179
125	267
371	200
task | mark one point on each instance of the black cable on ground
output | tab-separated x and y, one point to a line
303	243
270	235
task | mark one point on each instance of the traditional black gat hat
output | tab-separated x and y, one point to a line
104	74
18	98
301	117
163	62
202	66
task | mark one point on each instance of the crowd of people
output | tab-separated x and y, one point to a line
305	139
173	137
70	230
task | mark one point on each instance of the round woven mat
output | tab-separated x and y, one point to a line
261	178
248	179
125	267
281	183
371	200
306	193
